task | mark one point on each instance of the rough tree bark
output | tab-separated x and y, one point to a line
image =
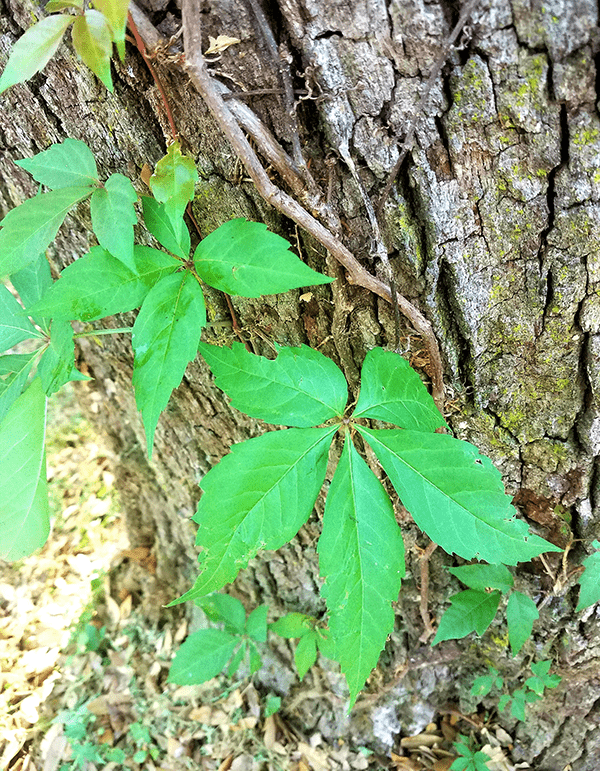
493	225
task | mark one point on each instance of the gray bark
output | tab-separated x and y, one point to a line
494	224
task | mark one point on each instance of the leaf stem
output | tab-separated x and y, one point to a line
96	332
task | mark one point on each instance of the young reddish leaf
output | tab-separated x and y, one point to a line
244	258
257	497
391	390
68	164
172	234
113	217
361	557
24	515
203	655
98	285
165	339
521	612
115	12
14	326
173	181
29	228
33	50
301	387
455	495
93	42
589	594
469	611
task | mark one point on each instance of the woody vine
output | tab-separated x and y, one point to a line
453	492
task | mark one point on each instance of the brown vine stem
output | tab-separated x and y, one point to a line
142	49
195	66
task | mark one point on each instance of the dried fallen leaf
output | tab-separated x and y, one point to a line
422	740
443	764
220	43
270	732
404	763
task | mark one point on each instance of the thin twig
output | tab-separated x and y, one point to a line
431	81
424	603
196	68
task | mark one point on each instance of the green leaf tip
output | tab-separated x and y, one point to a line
392	391
244	258
455	495
34	49
25	515
257	497
68	164
301	387
589	581
361	557
165	339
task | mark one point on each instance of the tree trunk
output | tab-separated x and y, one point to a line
494	228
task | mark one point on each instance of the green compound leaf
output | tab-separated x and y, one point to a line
455	495
521	612
224	607
14	371
24	516
482	577
203	655
589	581
244	258
113	217
92	40
32	283
541	678
99	285
115	12
14	326
172	234
391	390
256	626
293	625
361	557
29	228
484	684
165	339
469	611
68	164
305	654
173	181
58	361
301	387
33	50
257	497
